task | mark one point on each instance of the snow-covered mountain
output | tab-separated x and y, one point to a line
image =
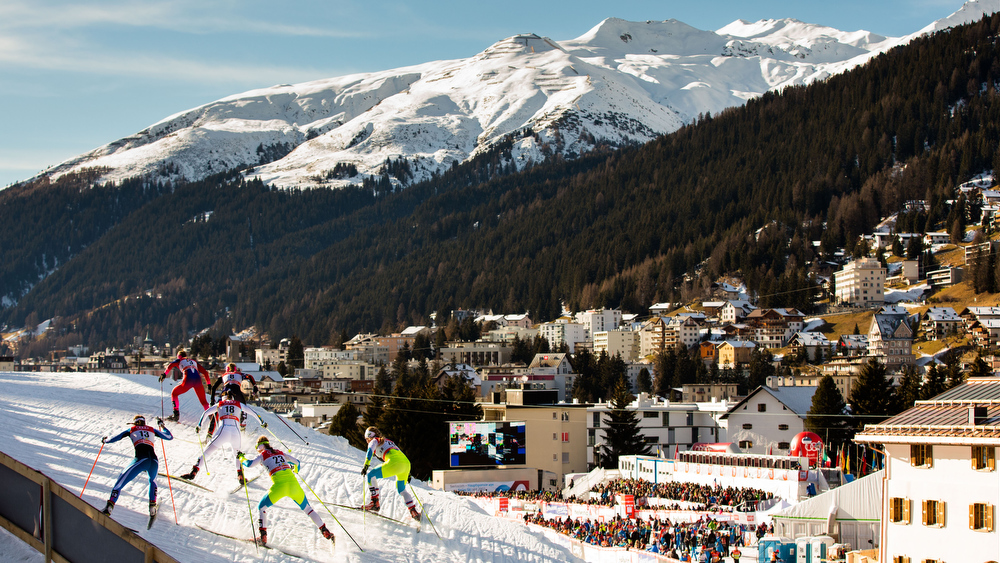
55	421
621	82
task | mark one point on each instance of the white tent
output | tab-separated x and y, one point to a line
850	513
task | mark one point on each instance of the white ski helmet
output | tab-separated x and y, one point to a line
139	420
371	433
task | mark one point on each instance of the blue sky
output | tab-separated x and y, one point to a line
76	75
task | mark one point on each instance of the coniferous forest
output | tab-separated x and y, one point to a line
746	190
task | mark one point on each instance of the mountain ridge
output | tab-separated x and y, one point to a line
620	82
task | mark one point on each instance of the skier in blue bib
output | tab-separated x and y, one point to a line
145	459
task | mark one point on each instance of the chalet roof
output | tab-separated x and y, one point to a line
797	399
547	360
945	419
854	340
887	324
810	339
943	314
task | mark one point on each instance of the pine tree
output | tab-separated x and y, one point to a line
345	423
827	416
296	353
935	384
980	368
665	364
909	387
872	398
644	382
622	436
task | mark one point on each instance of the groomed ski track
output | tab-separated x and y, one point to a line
54	422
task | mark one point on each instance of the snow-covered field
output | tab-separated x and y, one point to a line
54	422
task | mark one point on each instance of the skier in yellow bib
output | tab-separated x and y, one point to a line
394	464
282	468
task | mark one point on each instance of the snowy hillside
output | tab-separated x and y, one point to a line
620	82
55	421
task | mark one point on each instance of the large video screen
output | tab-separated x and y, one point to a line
475	444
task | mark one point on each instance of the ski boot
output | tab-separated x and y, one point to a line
174	417
327	533
190	475
242	479
108	508
263	536
152	514
373	504
414	513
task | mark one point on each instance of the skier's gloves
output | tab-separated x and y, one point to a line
162	377
240	456
104	440
364	470
197	429
263	425
159	422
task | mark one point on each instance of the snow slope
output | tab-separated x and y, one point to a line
620	82
54	422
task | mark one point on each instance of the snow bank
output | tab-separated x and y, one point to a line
55	422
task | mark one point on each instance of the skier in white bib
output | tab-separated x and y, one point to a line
230	411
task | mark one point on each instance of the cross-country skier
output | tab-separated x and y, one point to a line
145	459
193	373
394	464
230	410
231	379
282	468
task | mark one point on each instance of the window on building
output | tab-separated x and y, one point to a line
565	457
747	426
746	444
981	517
650	440
899	510
555	435
690	419
932	513
565	416
552	483
900	559
984	458
784	445
555	457
565	437
553	416
597	420
666	419
761	407
782	427
921	455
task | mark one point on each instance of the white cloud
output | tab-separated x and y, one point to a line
182	16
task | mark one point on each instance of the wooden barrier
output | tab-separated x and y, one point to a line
63	527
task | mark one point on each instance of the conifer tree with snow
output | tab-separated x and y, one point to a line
622	436
826	416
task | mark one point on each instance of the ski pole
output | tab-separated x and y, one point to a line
162	411
424	512
250	511
207	472
92	469
283	444
328	510
166	469
282	419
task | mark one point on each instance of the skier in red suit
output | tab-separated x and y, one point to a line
193	373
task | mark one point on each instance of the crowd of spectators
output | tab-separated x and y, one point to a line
703	540
707	496
530	496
